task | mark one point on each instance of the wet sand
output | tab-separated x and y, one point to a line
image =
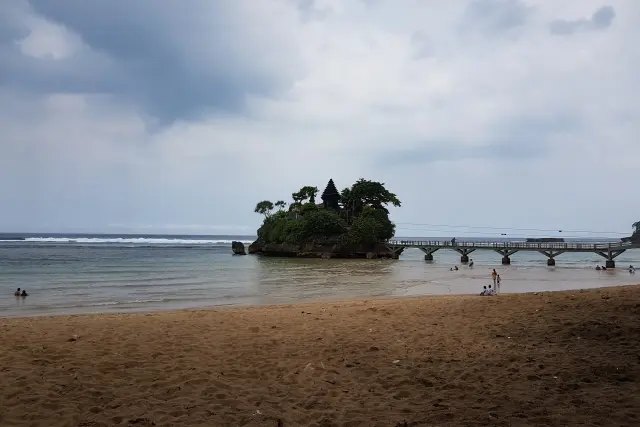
557	359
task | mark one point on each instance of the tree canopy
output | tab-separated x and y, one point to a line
264	208
361	218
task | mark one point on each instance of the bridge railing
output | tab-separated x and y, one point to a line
512	245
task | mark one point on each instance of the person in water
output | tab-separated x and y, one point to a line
24	293
17	293
494	276
598	268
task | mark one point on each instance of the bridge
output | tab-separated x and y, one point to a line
609	251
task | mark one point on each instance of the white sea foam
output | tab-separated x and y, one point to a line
134	240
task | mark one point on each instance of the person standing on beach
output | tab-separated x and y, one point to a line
494	276
497	283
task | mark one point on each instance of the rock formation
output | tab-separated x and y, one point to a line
322	250
238	248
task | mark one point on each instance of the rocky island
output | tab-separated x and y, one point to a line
353	223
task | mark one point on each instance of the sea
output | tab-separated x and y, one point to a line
95	273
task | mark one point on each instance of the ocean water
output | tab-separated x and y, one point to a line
68	274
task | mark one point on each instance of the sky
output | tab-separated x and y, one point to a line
159	116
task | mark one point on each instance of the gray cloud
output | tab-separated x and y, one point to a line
309	10
175	61
511	140
422	46
443	151
11	25
275	100
495	16
600	20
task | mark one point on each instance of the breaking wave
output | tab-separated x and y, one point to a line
143	241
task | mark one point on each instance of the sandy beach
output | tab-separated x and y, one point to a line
558	359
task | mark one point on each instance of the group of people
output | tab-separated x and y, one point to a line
632	269
488	291
19	293
455	267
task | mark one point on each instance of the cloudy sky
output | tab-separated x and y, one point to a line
166	116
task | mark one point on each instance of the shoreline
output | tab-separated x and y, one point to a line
543	358
409	293
223	307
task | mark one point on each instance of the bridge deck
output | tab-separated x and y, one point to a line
519	246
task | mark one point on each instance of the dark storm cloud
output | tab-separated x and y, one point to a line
173	59
87	73
600	20
11	27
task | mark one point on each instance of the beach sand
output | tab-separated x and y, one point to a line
555	359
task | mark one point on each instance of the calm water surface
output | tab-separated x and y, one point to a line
93	273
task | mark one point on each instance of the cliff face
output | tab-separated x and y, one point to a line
319	250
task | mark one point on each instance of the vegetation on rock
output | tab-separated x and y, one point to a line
357	215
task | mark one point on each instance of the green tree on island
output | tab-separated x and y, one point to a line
264	208
357	215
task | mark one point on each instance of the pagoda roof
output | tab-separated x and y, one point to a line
330	190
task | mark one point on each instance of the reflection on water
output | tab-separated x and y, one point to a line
289	279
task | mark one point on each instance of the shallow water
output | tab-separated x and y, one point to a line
84	274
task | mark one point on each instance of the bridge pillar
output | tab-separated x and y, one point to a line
464	253
552	254
506	254
611	255
428	252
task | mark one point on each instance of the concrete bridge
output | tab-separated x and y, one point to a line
609	251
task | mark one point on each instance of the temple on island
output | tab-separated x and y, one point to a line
331	197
